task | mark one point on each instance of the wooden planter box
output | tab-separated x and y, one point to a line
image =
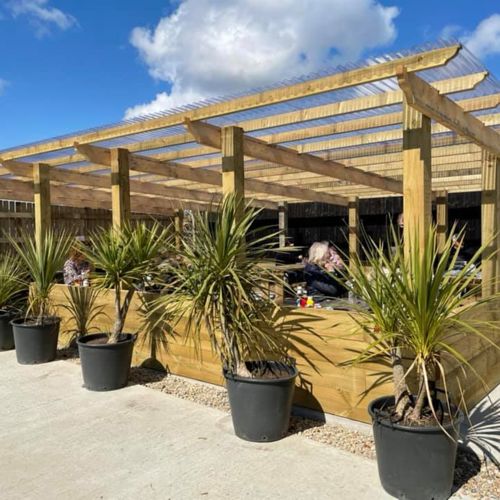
324	384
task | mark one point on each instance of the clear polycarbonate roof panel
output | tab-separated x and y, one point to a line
463	64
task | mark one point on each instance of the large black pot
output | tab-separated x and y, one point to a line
35	343
414	462
6	334
260	408
105	367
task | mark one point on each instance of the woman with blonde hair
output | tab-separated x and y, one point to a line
320	271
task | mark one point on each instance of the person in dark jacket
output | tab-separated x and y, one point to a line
319	272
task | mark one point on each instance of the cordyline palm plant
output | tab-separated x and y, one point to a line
13	280
124	257
43	262
84	310
418	304
223	286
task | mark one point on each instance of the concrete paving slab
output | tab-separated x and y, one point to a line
60	441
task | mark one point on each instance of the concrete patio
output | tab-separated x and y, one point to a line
61	441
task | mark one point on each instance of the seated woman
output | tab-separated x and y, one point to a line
76	268
319	272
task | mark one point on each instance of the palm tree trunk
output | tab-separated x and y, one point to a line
118	326
401	393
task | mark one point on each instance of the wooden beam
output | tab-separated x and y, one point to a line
233	174
22	169
353	216
426	99
41	200
179	228
459	84
76	197
358	76
210	135
441	218
490	203
417	197
283	223
120	187
148	165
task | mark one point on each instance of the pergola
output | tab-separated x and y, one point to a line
420	124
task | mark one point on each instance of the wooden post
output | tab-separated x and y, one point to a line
283	223
120	187
441	218
178	225
490	211
41	198
233	174
353	209
417	176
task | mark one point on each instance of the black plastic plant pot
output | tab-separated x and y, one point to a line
6	333
105	367
35	343
414	462
260	408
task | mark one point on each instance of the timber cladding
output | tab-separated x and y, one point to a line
18	216
325	385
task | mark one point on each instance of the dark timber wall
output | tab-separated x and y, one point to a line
309	222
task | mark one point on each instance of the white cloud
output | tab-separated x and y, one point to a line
485	39
3	85
41	15
215	47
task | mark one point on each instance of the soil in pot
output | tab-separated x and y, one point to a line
35	343
414	461
6	333
262	402
105	367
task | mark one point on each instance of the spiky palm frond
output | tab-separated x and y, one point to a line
418	302
123	257
222	285
13	279
43	263
83	309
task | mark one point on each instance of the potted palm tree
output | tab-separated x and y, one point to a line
221	287
416	306
12	284
36	335
123	258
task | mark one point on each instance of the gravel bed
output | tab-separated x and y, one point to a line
474	477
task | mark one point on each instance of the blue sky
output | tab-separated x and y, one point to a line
71	65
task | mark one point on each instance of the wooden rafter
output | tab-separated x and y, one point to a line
416	62
467	82
427	100
210	135
145	164
12	189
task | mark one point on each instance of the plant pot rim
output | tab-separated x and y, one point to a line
231	376
422	429
84	341
22	322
